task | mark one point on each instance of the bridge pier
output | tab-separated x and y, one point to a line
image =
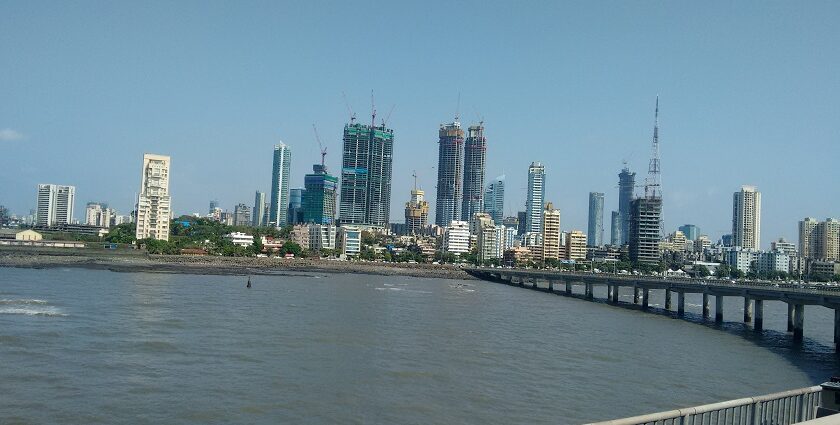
550	286
798	322
837	326
681	303
521	282
635	294
718	308
645	296
609	292
668	299
747	310
616	288
568	288
790	318
533	283
705	305
589	295
759	315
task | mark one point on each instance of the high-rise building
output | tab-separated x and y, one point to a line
241	215
214	206
512	223
576	243
490	243
522	219
645	230
536	197
55	204
827	240
746	217
456	237
98	214
295	211
154	202
258	216
494	199
615	229
280	175
475	157
691	231
416	213
550	231
319	198
450	173
596	219
626	185
806	237
366	175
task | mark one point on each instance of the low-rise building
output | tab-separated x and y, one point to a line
300	235
456	237
322	236
350	240
575	246
515	257
241	239
20	235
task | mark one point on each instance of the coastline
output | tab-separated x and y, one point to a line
208	265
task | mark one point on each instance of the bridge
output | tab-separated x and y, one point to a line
754	294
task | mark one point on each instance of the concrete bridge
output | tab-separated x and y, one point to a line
754	294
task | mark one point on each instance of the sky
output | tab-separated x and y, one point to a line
748	96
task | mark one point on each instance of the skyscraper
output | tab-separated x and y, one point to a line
366	175
241	215
595	237
626	184
320	196
55	204
295	210
550	231
416	213
806	237
450	173
280	174
494	199
746	218
522	220
475	157
536	195
644	230
615	229
153	203
258	218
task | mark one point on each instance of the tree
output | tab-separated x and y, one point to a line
291	247
723	271
701	270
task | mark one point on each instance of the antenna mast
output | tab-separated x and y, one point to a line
653	186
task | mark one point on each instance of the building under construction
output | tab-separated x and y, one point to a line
475	157
366	167
416	213
450	172
646	212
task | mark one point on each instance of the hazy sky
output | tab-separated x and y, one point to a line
748	93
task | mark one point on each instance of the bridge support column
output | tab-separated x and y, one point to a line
534	284
645	294
759	315
615	294
550	286
609	292
705	305
568	288
747	310
790	318
718	308
798	322
635	294
589	295
668	299
837	326
522	282
681	303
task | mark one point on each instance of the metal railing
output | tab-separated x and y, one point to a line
788	407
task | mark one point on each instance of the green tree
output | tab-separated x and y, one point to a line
290	247
701	270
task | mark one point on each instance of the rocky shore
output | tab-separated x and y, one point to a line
225	265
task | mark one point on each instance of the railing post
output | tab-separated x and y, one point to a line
668	299
747	310
759	315
681	303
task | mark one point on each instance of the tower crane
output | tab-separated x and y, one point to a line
320	145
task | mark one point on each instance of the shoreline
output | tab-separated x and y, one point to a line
232	266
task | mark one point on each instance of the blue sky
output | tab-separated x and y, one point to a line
749	95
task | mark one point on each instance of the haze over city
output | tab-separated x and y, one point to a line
747	96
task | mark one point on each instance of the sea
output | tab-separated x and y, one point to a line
80	346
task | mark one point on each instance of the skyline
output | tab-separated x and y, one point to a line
743	91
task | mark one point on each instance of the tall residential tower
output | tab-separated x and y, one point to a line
280	175
153	203
366	166
55	204
536	197
475	158
450	173
746	218
494	199
595	237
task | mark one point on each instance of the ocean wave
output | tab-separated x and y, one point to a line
47	311
22	301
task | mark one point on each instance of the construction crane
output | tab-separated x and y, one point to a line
349	109
414	174
388	117
320	145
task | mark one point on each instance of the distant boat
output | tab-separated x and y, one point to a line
249	282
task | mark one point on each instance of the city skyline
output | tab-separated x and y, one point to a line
753	106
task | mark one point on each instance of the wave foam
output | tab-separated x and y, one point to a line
22	301
46	311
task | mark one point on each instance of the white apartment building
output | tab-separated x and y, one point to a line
153	203
350	240
322	236
55	204
456	237
241	239
746	218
